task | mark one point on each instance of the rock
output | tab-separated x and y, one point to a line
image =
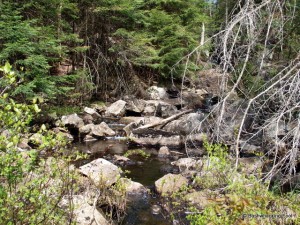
249	149
149	110
210	80
116	109
87	119
132	119
186	124
157	93
193	99
99	130
156	209
251	165
91	111
85	214
36	139
86	128
100	108
72	120
233	117
66	136
121	158
170	183
135	105
163	152
159	108
101	172
23	144
159	140
102	130
199	199
88	138
133	188
187	164
5	133
129	128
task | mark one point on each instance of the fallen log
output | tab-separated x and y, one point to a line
163	122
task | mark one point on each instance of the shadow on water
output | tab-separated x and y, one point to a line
145	171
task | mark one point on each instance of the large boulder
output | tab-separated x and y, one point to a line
116	109
132	119
186	124
91	112
101	172
163	152
250	165
83	213
210	80
159	108
199	199
132	188
135	105
170	183
159	140
99	130
73	121
187	164
102	130
157	93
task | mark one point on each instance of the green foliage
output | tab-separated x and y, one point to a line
31	187
245	197
34	48
139	152
155	34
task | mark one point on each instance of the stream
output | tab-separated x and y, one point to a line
144	171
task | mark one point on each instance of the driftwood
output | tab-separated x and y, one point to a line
163	122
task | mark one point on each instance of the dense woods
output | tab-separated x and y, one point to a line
66	53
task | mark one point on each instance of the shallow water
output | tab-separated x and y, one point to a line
145	171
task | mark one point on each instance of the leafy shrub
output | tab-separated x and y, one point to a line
31	187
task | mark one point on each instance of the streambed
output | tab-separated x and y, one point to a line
145	171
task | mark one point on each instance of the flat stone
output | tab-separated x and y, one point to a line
163	152
101	172
116	109
133	188
170	183
72	120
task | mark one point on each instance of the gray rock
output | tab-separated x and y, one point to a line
163	152
88	138
185	125
170	183
157	93
135	105
159	108
121	158
187	164
156	209
23	144
85	214
116	109
251	165
36	139
133	188
91	112
199	199
101	172
130	119
99	130
159	140
102	130
72	120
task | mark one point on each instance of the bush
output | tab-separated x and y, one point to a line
31	187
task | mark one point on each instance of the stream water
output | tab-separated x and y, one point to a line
144	171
